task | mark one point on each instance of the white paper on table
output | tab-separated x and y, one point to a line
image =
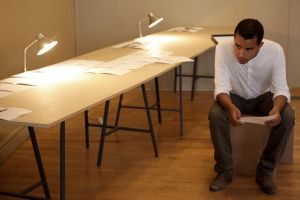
10	80
132	44
191	29
12	88
152	53
173	59
29	74
257	120
31	82
77	63
21	81
139	59
96	70
90	63
70	67
131	61
5	93
62	70
13	113
110	64
137	64
136	60
116	71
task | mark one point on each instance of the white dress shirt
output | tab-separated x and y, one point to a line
265	72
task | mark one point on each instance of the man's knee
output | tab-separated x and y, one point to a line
288	115
216	112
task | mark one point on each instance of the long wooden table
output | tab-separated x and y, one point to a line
54	103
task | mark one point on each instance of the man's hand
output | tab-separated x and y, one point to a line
234	115
279	103
274	122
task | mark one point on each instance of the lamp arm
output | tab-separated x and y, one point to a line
140	23
25	54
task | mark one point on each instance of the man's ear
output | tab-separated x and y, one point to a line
260	45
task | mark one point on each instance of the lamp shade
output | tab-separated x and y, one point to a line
46	47
153	20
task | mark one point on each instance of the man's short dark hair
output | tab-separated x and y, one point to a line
250	29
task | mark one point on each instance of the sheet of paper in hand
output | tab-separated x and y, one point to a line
257	120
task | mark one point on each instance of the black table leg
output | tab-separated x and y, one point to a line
39	161
149	120
194	78
180	101
86	126
62	160
103	132
157	100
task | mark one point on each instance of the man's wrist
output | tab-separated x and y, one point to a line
231	107
275	110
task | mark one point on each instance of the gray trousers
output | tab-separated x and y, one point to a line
219	128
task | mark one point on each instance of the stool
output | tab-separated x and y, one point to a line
246	151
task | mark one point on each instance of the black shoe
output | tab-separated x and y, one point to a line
220	182
265	182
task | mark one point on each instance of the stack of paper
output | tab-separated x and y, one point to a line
257	120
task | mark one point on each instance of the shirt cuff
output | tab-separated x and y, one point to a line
219	92
286	94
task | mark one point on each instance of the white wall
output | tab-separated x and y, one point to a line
21	20
102	23
293	61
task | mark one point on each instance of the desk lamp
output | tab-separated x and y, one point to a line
46	45
153	20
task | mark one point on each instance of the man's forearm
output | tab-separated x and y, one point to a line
234	113
279	103
224	100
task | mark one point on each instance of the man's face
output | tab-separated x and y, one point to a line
245	50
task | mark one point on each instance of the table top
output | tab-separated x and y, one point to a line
57	102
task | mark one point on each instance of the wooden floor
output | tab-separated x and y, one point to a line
130	170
